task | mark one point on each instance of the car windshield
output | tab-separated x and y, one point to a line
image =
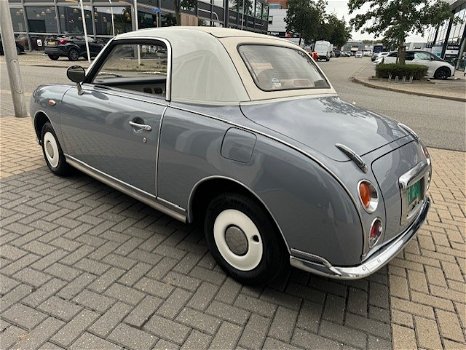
276	68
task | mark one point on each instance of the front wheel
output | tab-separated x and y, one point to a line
73	55
53	153
442	73
53	57
243	239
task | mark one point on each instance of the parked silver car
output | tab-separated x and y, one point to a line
244	134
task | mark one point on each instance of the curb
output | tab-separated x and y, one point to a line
365	83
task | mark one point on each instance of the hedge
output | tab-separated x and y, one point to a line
401	70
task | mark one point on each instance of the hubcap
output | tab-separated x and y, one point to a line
238	240
51	149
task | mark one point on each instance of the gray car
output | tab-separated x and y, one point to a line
243	134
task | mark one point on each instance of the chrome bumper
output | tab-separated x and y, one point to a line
377	260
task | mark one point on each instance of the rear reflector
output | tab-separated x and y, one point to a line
376	232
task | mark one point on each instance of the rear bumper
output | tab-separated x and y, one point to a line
377	260
55	51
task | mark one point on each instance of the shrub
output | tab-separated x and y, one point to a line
401	70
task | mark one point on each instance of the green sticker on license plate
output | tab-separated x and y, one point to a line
414	192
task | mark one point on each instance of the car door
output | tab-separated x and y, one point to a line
112	123
424	59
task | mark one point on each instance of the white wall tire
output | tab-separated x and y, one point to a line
244	240
53	153
253	255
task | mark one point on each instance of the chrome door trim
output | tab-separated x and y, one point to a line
157	152
159	204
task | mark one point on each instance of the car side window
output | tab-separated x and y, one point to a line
423	56
136	67
393	54
409	56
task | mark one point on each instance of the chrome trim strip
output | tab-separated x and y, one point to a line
159	134
413	175
372	264
193	190
409	131
353	156
242	127
128	189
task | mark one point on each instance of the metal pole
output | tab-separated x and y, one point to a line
136	25
242	16
85	31
11	58
113	21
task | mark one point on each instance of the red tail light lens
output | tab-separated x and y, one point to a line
62	41
376	232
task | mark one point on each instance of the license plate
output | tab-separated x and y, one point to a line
51	43
414	194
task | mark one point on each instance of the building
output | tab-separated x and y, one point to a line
448	40
34	20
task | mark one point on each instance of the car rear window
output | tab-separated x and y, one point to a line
277	68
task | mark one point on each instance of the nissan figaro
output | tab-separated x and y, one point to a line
243	134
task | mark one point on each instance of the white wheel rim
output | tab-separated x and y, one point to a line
51	149
251	259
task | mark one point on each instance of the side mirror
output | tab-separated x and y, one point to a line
76	74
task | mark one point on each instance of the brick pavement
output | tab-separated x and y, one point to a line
84	266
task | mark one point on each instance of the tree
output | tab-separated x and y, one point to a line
395	19
337	32
306	18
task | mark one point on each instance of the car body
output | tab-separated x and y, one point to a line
244	134
436	67
70	46
336	52
380	56
324	49
358	54
19	47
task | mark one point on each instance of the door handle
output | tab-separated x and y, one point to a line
140	126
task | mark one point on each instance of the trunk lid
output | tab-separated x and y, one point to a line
322	122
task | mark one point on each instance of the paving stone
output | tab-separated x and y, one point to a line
91	342
92	266
283	324
153	287
310	294
334	309
228	291
73	329
63	272
198	320
427	333
228	312
310	316
40	334
38	248
24	316
378	295
125	294
375	343
226	337
255	332
377	313
59	308
187	263
11	252
417	281
94	301
106	280
357	301
308	340
432	301
7	284
110	319
17	265
132	338
135	274
77	255
167	329
143	311
119	261
399	285
204	274
343	334
449	326
14	295
197	341
44	292
255	305
280	298
182	281
203	296
49	259
74	287
11	335
163	344
174	303
376	328
416	309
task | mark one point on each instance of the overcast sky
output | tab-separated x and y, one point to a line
341	10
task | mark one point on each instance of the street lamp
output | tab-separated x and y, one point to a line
113	21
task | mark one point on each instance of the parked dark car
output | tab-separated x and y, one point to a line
19	47
337	52
72	47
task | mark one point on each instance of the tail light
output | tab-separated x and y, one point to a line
376	232
368	196
62	41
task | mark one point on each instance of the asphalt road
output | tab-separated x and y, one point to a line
440	123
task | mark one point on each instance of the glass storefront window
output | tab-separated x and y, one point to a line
258	12
189	6
122	21
41	19
146	20
168	19
71	21
17	17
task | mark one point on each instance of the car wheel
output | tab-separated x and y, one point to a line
18	50
73	55
53	57
243	239
442	73
53	153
